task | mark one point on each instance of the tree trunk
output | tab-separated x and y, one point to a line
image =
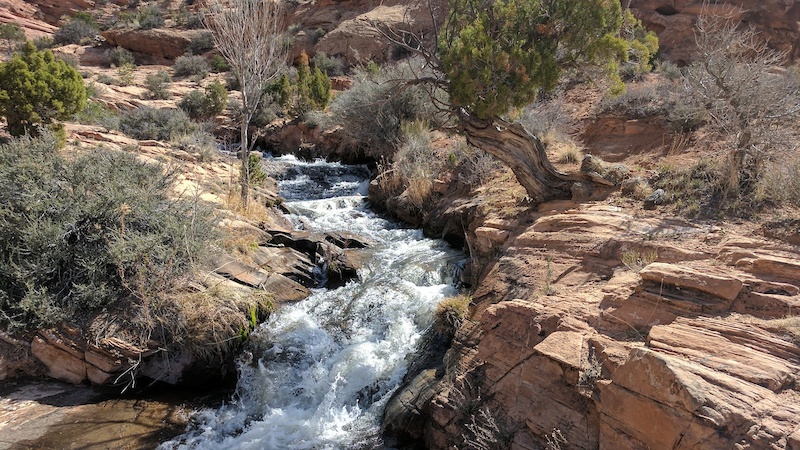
245	178
524	154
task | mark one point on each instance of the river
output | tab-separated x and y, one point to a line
318	373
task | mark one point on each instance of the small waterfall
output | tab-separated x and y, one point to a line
318	373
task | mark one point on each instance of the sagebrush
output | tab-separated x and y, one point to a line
80	234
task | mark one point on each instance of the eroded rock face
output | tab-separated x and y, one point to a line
571	340
673	21
154	46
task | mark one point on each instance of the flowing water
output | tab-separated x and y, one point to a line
318	373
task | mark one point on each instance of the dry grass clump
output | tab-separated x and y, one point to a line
219	318
787	325
232	201
451	313
413	169
636	260
567	152
780	181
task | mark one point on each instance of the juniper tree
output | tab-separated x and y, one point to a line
36	88
494	55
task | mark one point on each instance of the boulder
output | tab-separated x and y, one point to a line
160	46
718	284
361	38
776	20
61	363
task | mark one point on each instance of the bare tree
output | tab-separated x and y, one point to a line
248	33
750	102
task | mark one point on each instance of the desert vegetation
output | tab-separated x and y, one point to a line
81	234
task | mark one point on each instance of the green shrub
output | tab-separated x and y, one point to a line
96	113
118	57
79	234
372	111
194	104
316	34
36	88
42	43
76	29
201	43
642	49
199	142
150	17
108	79
303	90
190	66
693	189
218	64
159	124
71	60
217	98
205	104
125	74
331	66
195	21
257	175
156	84
11	33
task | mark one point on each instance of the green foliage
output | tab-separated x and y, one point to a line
125	74
281	90
195	21
42	43
190	66
201	43
218	64
77	28
97	113
373	109
217	97
692	189
78	234
331	66
205	104
11	32
35	88
157	83
150	17
257	175
118	57
642	49
159	124
319	89
501	54
307	91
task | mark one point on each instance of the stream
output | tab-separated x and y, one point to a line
318	373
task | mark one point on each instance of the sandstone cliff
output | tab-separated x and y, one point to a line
570	341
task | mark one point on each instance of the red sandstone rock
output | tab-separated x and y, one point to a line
716	284
61	364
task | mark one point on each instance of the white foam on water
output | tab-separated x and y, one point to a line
321	371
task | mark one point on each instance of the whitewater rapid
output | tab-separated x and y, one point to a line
318	373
